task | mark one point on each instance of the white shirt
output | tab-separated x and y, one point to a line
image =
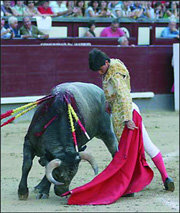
7	35
56	7
2	14
114	9
124	12
90	9
151	11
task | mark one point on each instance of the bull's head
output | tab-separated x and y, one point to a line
60	172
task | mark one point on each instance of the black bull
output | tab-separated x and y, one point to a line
54	144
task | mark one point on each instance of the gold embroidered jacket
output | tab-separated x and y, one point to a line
116	85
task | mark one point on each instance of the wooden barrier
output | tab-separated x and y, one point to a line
69	40
32	70
165	41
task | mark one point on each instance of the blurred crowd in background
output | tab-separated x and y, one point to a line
153	10
115	9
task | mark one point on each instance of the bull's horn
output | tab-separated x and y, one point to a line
87	156
49	169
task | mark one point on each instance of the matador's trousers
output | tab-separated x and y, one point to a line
149	147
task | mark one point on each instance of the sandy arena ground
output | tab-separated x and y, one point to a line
163	128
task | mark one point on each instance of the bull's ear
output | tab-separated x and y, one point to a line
48	155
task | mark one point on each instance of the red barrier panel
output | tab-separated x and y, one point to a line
33	69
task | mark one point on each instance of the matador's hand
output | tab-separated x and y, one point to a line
131	125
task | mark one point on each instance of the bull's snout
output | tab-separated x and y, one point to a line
59	190
72	166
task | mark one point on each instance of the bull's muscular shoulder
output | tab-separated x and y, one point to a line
71	86
88	99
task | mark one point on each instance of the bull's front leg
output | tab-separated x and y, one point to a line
110	141
42	189
106	133
28	156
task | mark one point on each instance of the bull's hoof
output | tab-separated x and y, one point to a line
36	190
23	194
42	196
23	197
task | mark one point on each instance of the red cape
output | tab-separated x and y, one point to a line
128	172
